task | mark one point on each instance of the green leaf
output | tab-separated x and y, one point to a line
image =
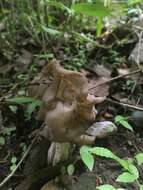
139	158
21	100
50	31
104	152
132	2
134	171
121	120
123	163
126	177
87	157
70	169
126	125
141	187
110	128
106	187
2	140
23	146
86	148
13	160
13	167
92	9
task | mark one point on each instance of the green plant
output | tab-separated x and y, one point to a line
6	132
102	9
13	163
70	169
24	147
30	102
130	174
123	122
94	9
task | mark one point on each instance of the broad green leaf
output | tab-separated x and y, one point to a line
132	2
122	162
50	31
121	120
139	158
85	148
87	158
134	171
70	169
126	125
92	9
106	187
13	160
126	177
21	100
2	140
102	152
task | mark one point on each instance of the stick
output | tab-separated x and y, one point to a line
125	105
116	78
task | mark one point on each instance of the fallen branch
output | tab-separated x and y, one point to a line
125	105
115	78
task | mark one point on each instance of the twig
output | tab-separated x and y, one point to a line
19	163
125	105
116	78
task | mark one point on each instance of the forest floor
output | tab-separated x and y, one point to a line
16	124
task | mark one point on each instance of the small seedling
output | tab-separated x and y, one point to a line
70	169
131	173
13	163
123	122
24	147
